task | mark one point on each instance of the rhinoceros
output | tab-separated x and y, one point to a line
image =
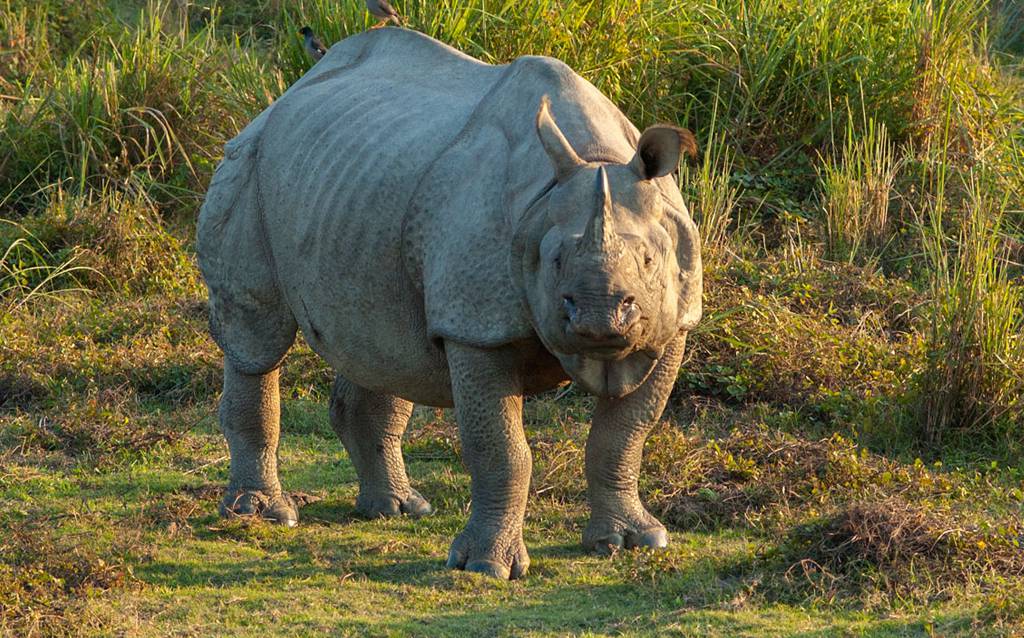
451	233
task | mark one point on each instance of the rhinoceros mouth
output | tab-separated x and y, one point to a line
609	378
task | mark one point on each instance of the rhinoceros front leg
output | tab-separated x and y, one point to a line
250	417
489	409
614	449
371	427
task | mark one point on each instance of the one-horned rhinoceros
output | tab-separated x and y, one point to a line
439	239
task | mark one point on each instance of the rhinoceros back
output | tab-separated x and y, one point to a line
341	157
389	178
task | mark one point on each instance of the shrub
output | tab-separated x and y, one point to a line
30	271
139	111
109	240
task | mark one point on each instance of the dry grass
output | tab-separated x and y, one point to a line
837	523
20	391
111	120
972	381
44	578
752	477
895	545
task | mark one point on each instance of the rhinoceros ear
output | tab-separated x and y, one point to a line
563	157
659	148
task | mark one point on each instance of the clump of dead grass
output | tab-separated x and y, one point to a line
895	546
751	477
44	579
96	432
20	391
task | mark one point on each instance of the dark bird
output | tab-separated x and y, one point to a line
314	47
383	11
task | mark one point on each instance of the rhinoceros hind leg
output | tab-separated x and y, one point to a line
250	411
371	427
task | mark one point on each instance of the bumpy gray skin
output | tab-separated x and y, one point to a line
440	239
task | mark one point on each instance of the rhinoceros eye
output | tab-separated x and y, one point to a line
648	260
558	263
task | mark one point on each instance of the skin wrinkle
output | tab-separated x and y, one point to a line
419	256
463	132
250	419
488	409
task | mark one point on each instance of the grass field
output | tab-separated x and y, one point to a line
844	450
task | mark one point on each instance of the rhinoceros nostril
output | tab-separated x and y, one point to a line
569	305
628	313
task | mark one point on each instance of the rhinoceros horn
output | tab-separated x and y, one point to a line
599	234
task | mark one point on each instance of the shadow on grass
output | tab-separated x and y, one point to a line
331	511
442	602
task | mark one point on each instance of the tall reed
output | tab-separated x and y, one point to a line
857	187
972	381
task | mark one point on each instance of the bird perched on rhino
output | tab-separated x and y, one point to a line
314	47
383	11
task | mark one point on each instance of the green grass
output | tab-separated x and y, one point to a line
150	521
843	454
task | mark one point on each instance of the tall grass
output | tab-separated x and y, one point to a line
141	109
713	195
1007	24
32	273
972	380
113	115
857	187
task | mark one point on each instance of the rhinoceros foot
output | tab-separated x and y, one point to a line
500	554
387	505
280	509
606	535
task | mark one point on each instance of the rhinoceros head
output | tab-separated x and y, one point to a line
610	261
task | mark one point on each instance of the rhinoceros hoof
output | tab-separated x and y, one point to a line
608	539
492	557
387	505
280	509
